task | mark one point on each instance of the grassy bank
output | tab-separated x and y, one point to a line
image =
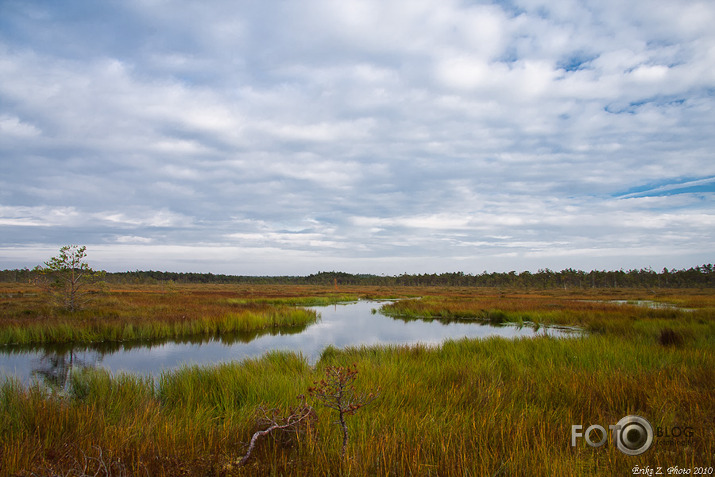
298	300
92	328
684	317
149	313
468	407
492	407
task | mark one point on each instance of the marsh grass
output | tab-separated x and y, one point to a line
94	328
297	301
467	407
692	322
142	314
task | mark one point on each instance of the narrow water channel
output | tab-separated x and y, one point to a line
342	325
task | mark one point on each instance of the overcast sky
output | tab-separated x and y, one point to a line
367	136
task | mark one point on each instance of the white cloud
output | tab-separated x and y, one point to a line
361	133
144	218
39	216
133	239
12	126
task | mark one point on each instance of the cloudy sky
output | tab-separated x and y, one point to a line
368	136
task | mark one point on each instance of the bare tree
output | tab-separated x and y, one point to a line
336	391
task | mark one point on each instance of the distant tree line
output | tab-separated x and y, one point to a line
695	277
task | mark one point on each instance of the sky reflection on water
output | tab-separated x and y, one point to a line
340	325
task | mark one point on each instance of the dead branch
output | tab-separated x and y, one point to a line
275	422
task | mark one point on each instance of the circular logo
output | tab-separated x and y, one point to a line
633	435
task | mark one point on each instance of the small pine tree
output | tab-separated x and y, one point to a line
64	277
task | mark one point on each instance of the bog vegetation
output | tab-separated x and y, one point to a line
467	407
126	314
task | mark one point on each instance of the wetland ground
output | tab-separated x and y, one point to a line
490	406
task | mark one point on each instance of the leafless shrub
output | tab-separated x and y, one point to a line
336	391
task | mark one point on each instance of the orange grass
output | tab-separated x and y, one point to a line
139	313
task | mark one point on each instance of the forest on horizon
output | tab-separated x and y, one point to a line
702	276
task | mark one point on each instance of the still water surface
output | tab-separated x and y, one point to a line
342	325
